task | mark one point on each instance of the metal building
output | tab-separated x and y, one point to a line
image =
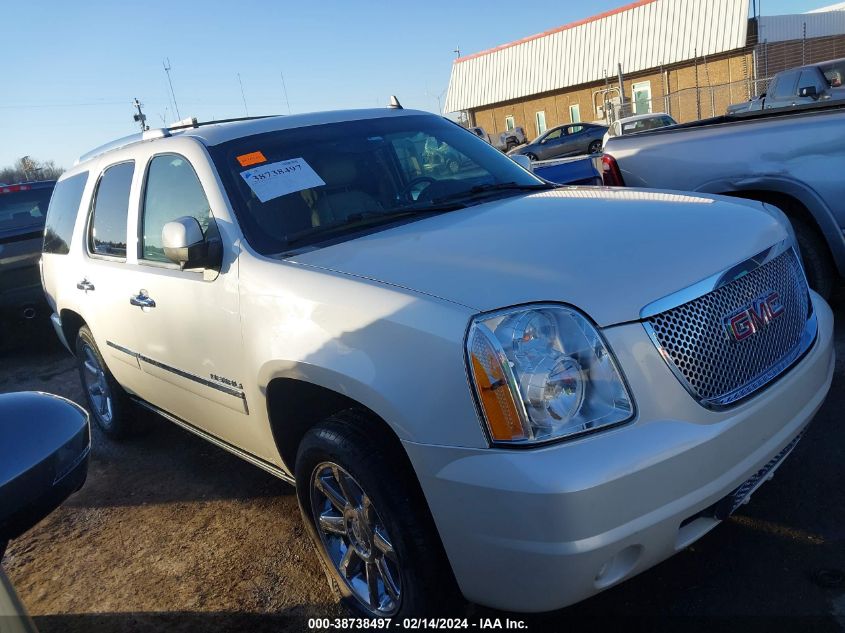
690	58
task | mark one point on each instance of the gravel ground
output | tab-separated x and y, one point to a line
173	534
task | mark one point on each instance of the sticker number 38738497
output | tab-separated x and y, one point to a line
281	178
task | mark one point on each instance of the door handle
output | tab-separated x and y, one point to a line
142	300
85	285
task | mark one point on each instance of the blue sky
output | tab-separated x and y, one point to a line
73	68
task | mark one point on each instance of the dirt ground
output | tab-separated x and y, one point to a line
171	533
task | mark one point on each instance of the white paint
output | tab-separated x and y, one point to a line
281	178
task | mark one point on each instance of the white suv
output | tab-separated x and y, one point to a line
476	380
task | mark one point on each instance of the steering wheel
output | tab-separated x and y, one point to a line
405	192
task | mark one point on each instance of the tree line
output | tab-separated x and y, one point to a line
27	169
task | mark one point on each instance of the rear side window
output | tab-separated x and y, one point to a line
111	206
173	191
61	215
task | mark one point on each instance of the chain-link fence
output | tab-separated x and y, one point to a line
690	104
709	100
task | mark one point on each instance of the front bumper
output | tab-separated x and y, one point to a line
537	530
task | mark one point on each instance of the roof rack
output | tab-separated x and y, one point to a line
159	133
192	122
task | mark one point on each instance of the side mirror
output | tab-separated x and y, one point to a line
44	445
523	161
808	91
185	245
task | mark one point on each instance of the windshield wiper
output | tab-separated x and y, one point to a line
479	190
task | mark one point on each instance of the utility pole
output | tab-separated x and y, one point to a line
243	96
140	118
697	90
621	78
457	52
285	88
167	67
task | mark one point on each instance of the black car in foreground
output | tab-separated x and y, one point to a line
23	208
565	140
45	442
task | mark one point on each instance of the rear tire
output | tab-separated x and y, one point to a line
366	514
594	148
107	401
531	157
818	262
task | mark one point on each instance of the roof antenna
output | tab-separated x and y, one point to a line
394	103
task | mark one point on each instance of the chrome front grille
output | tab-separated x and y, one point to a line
715	367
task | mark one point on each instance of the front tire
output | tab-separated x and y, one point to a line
594	148
371	526
107	401
532	157
818	262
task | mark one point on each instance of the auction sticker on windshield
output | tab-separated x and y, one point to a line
279	179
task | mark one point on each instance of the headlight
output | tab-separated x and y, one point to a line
543	373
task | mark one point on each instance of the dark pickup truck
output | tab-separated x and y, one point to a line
23	208
814	83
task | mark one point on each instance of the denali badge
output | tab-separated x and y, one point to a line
753	317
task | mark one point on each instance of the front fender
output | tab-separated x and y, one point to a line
399	353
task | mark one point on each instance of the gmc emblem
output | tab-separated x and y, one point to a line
753	317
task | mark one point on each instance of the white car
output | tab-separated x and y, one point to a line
481	385
637	123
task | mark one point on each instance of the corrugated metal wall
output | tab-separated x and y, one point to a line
644	36
781	28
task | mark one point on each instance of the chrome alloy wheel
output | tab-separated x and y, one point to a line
355	539
99	394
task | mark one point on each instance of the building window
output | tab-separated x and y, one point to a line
509	123
641	97
574	113
541	122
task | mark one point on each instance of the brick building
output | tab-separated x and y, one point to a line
685	57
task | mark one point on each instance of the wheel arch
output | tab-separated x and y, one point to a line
795	199
71	323
296	401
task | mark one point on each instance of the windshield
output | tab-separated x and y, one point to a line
302	186
23	209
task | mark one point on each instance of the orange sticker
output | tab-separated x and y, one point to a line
253	158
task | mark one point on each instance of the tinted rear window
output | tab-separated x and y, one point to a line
651	123
111	206
24	209
61	216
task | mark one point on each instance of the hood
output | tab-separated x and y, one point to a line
607	252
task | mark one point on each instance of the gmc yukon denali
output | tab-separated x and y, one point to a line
484	387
